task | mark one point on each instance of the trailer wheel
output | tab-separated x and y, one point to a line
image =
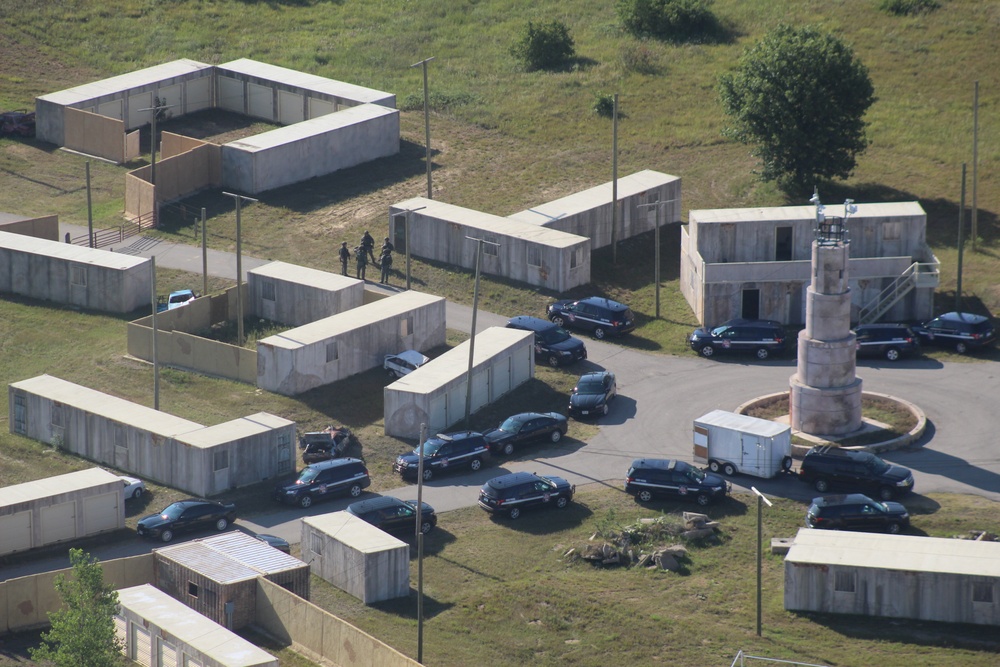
786	463
729	470
713	466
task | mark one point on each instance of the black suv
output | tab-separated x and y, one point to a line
602	317
394	515
553	344
185	516
676	479
856	512
512	494
444	452
829	467
959	331
320	481
762	337
889	341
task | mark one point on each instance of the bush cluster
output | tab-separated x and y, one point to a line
907	7
676	20
544	46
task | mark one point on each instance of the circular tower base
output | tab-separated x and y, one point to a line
825	411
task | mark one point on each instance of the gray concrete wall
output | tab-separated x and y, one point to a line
297	295
351	342
44	227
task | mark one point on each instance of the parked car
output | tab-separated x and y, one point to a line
279	543
827	468
330	443
647	478
394	515
325	480
889	341
762	337
960	331
186	516
177	299
856	512
601	317
445	452
525	427
512	494
553	344
134	487
592	394
404	363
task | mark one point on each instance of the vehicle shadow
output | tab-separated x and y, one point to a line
934	462
622	409
544	520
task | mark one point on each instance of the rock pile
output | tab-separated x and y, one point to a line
978	536
632	546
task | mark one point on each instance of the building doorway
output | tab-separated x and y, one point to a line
751	304
783	244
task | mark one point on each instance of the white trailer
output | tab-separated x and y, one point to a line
734	443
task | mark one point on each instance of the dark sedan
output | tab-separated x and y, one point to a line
592	394
525	427
394	515
185	516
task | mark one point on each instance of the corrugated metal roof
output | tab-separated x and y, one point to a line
789	213
303	275
69	252
745	423
355	532
592	198
105	405
309	128
349	320
295	78
494	224
121	83
895	552
230	557
197	631
455	362
51	486
235	429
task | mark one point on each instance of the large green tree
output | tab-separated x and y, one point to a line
83	629
799	96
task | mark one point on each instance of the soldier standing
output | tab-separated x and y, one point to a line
387	245
368	245
345	256
359	254
385	261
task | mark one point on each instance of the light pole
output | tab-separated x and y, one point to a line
760	538
239	267
656	242
406	241
472	338
156	357
420	544
614	183
427	125
160	106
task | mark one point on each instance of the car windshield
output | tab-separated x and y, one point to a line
512	425
555	335
628	315
307	476
877	465
695	474
590	386
718	331
172	511
430	447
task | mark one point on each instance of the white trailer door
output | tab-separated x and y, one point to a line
141	648
501	378
167	653
121	629
101	513
15	532
481	389
439	414
58	522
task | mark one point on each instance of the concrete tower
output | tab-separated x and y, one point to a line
825	396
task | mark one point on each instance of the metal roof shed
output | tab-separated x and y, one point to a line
336	347
74	275
356	557
60	508
435	393
157	629
527	252
216	576
296	295
900	576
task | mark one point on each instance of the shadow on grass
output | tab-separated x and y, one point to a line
546	520
407	607
909	631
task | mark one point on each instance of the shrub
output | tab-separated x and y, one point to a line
544	46
604	105
676	20
640	58
907	7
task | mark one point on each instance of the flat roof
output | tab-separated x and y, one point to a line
311	127
895	552
69	252
306	81
745	423
303	275
354	532
197	631
350	320
53	486
802	213
230	557
123	82
455	362
588	200
235	429
493	224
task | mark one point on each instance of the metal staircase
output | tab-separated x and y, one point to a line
918	274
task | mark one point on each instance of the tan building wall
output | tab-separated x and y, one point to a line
140	195
45	227
94	134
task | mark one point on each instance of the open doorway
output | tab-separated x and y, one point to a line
751	304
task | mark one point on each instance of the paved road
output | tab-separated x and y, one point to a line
659	396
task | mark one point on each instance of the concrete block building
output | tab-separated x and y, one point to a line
755	263
297	295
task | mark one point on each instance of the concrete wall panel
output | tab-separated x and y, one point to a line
45	227
95	134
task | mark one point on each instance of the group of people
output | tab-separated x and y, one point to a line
365	250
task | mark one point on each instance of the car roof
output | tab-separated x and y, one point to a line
595	375
955	316
842	499
662	464
529	415
511	479
456	435
412	356
743	320
334	463
881	325
370	504
604	302
530	323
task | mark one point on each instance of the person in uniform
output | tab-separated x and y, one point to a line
368	245
345	256
359	254
385	261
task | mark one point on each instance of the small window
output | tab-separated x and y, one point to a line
20	408
573	261
331	352
284	458
844	582
57	414
267	290
891	231
491	246
406	326
982	591
192	589
534	255
78	275
221	460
